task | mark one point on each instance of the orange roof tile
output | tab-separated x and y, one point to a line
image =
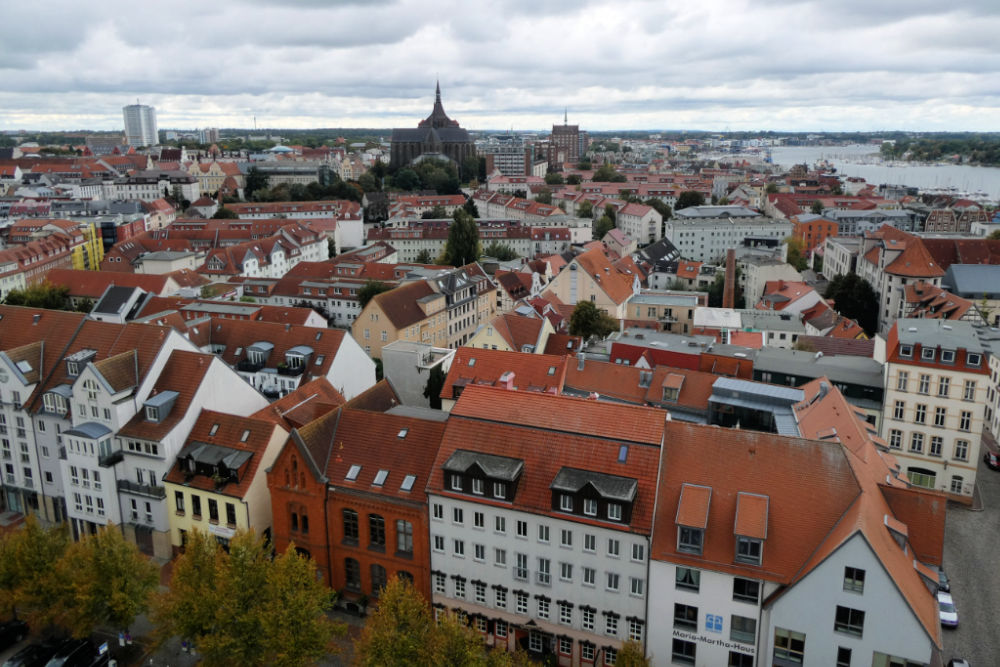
182	373
692	508
751	515
531	372
308	402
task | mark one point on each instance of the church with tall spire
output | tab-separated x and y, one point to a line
435	136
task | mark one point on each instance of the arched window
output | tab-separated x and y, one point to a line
352	575
295	521
376	531
350	526
405	576
378	579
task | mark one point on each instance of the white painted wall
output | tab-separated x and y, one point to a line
352	371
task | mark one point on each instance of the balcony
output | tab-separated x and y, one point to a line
111	458
291	371
147	490
249	366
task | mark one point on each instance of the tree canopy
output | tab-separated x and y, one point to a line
435	382
588	320
603	225
245	608
434	213
554	178
225	214
689	198
501	251
463	245
796	253
585	210
853	297
660	206
606	173
371	288
40	295
254	181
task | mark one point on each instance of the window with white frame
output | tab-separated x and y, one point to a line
500	597
612	581
566	571
587	615
590	543
611	624
478	520
566	538
965	421
439	583
500	525
637	586
615	511
969	391
638	552
459	587
500	629
521	602
480	591
565	613
565	502
924	386
614	547
543	606
521	566
589	576
543	533
961	450
635	629
590	507
895	439
500	557
544	574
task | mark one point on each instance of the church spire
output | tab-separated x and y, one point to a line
437	92
565	115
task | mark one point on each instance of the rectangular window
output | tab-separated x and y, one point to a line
458	548
543	533
213	510
917	443
439	583
925	384
939	415
544	574
927	353
521	566
500	525
500	490
844	657
737	659
522	528
689	540
687	578
944	386
854	580
500	557
965	421
748	550
479	552
439	543
637	586
902	380
638	552
611	624
565	613
612	581
500	598
961	450
500	627
897	410
566	571
614	547
456	482
789	646
196	505
947	356
565	502
438	511
849	621
614	511
404	537
587	615
969	392
590	543
543	607
566	538
457	515
682	652
478	520
635	628
936	442
231	516
480	592
521	599
685	617
895	439
746	590
743	629
920	416
590	507
376	532
477	486
589	576
459	587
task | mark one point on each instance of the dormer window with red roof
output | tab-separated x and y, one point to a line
692	518
751	527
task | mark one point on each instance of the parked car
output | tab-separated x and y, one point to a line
946	610
944	584
74	653
992	460
34	655
958	662
12	632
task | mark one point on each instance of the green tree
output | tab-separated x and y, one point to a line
110	582
796	253
632	655
471	208
254	181
40	295
689	198
406	179
225	214
462	246
500	251
400	633
584	165
424	257
817	207
994	235
716	289
771	188
435	213
554	178
607	173
573	179
331	248
611	212
585	209
661	207
854	298
188	608
370	289
587	321
435	382
604	225
368	182
29	576
470	168
544	196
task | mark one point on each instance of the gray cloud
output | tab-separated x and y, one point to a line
634	63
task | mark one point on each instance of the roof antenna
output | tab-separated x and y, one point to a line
565	115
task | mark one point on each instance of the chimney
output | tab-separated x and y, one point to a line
507	380
581	359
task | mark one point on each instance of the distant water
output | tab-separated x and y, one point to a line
862	161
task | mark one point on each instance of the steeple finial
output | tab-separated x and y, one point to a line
565	115
437	91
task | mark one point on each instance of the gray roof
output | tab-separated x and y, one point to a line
848	369
163	398
418	412
611	487
222	307
973	281
771	319
726	389
91	430
203	452
114	299
716	212
167	255
946	334
500	467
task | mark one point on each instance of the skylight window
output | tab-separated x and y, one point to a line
622	453
246	434
352	474
408	481
472	361
214	429
380	477
402	432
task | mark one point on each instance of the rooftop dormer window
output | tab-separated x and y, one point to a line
927	354
973	359
906	351
692	518
750	527
947	356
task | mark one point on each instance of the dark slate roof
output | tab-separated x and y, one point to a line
500	467
212	454
91	430
611	487
114	299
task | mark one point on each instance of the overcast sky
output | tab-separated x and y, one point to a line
618	64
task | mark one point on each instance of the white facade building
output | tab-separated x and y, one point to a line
140	125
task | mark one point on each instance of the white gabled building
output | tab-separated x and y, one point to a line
773	550
539	527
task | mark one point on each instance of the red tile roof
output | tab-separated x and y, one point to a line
92	284
531	372
182	373
308	402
